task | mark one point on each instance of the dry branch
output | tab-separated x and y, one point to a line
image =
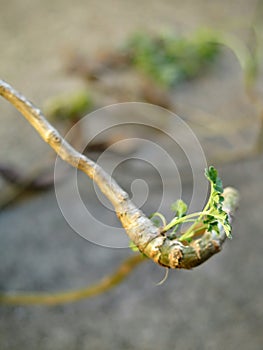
140	229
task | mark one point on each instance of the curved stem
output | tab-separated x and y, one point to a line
177	221
105	284
160	216
145	235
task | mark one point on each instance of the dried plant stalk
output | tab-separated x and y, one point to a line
141	230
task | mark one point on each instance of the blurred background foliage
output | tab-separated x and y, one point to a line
169	59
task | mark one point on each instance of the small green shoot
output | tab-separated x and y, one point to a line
157	221
180	209
212	218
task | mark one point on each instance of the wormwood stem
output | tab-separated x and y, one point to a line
144	234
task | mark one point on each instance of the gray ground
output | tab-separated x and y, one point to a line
219	304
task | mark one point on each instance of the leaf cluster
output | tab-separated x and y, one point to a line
212	218
216	215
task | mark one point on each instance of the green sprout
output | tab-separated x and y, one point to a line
212	218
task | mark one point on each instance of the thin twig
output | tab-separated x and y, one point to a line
105	284
140	229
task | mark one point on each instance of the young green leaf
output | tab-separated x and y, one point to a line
180	208
211	175
212	218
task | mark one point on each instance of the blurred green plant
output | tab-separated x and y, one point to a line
69	107
169	59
